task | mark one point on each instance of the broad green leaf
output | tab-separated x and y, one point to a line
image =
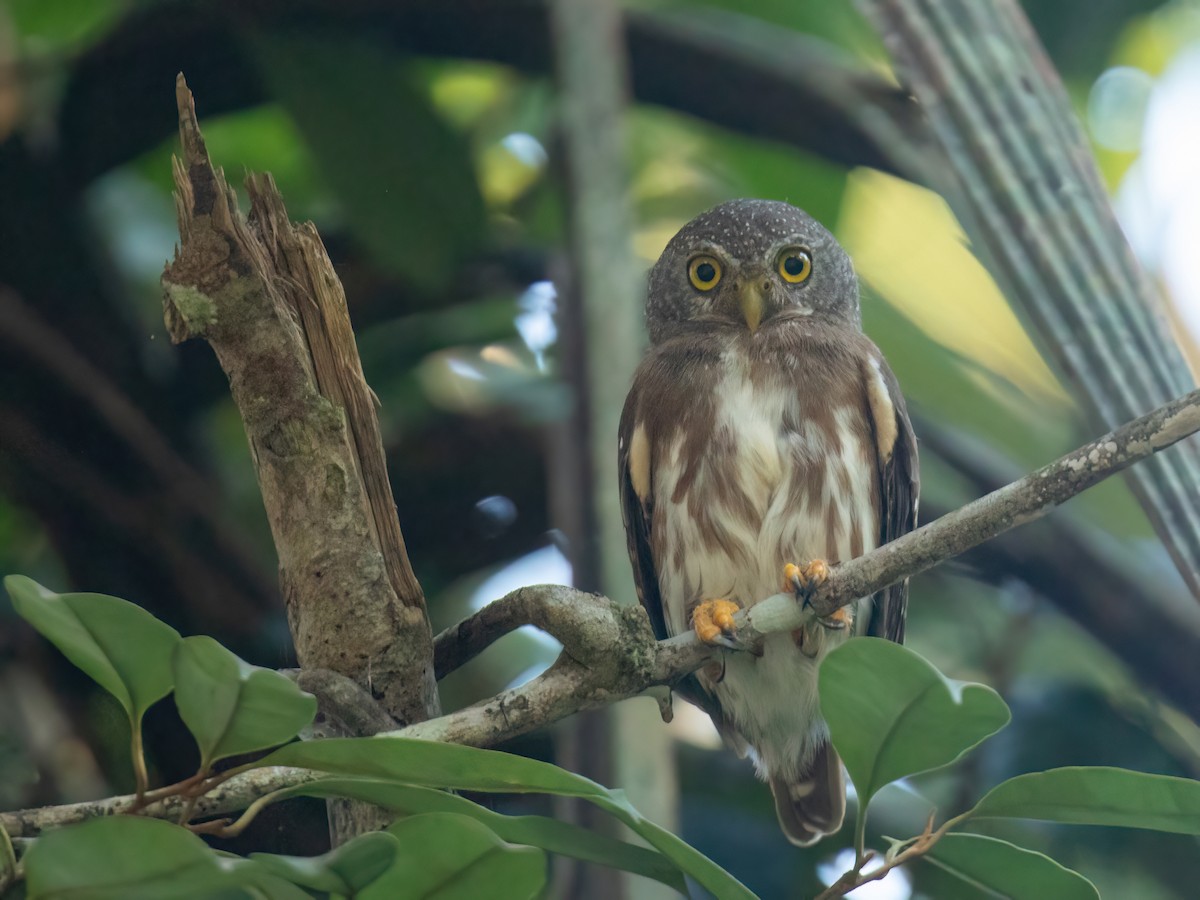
124	858
450	857
1007	871
231	706
892	714
344	870
405	178
1100	795
549	834
121	646
434	764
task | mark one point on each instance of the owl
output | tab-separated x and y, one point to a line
763	439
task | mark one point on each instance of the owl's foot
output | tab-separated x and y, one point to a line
838	620
712	620
804	580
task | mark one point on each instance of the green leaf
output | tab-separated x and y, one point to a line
1007	871
549	834
260	881
344	870
1100	795
121	646
124	858
434	764
451	857
231	706
405	178
892	714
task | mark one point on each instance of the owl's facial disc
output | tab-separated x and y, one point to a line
757	296
750	266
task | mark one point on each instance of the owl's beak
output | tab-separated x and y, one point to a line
750	298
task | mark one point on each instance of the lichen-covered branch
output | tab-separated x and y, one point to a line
559	611
236	793
344	707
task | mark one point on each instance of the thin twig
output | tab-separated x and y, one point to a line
181	788
913	849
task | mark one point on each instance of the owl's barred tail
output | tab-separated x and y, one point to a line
811	808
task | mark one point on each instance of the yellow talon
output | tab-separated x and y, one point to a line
713	618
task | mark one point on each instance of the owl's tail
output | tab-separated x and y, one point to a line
814	806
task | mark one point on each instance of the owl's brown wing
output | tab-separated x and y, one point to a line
900	486
636	512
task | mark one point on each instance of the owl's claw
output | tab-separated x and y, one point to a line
712	620
804	580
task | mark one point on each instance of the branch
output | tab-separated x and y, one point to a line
1122	595
609	653
344	707
913	849
554	609
236	793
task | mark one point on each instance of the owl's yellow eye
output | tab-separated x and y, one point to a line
795	265
704	272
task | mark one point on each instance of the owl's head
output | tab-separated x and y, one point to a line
750	264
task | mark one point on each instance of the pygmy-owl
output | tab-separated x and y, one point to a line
763	430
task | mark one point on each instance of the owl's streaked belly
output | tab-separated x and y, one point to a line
782	480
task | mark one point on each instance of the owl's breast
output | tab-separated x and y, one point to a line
775	470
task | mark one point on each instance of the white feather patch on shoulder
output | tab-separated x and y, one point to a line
639	462
882	411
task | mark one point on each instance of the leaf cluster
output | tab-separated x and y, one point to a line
443	845
891	715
